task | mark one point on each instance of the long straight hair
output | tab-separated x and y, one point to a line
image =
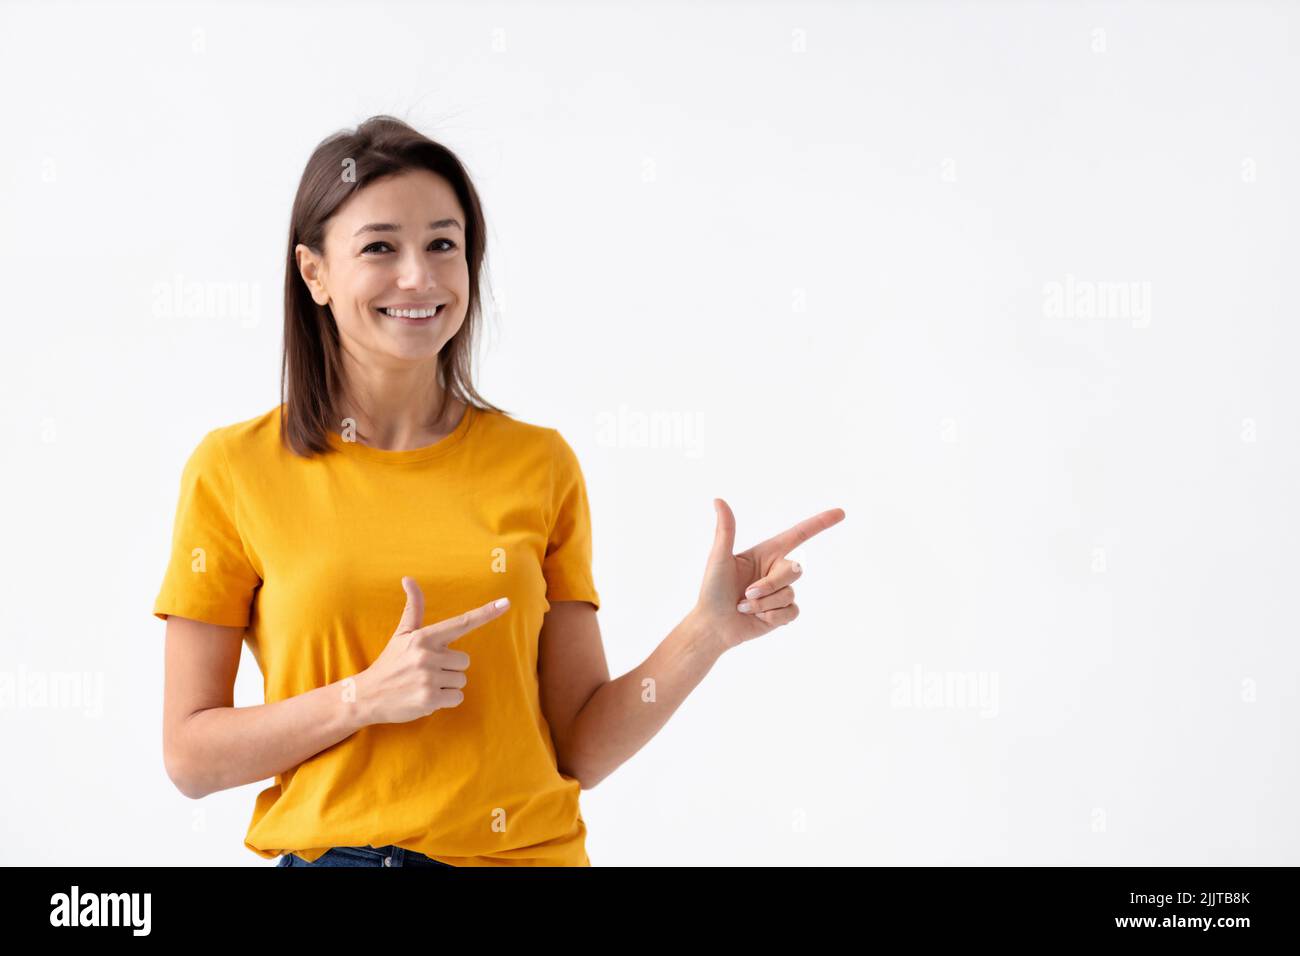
311	370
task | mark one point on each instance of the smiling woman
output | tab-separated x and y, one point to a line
314	531
317	531
386	226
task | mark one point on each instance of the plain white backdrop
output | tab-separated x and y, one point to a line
1012	284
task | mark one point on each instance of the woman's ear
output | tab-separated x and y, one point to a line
311	270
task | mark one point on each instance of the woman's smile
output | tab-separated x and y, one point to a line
413	315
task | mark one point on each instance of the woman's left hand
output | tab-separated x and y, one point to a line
760	577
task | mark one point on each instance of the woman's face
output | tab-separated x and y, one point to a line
399	243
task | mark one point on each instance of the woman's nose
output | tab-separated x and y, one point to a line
417	274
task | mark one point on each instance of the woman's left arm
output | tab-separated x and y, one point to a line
598	723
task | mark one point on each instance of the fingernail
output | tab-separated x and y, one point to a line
502	602
796	567
743	607
752	591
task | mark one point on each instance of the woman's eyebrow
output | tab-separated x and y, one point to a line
396	227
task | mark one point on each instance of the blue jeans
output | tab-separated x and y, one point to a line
363	856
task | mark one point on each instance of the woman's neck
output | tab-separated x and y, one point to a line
395	410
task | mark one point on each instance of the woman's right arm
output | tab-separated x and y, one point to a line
211	745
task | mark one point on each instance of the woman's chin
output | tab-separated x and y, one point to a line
414	348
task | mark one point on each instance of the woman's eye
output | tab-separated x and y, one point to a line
449	242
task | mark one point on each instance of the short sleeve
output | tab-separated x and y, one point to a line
567	565
209	576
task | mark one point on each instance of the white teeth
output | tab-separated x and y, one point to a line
411	313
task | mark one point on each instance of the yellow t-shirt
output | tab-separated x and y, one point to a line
309	554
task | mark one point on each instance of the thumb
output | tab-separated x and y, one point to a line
413	613
724	536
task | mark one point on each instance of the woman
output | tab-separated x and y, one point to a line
383	476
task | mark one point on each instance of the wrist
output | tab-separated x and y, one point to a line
703	635
354	702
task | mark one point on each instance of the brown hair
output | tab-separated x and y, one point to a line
311	372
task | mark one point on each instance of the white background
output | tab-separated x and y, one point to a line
825	238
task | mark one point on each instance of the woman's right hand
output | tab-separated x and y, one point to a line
417	673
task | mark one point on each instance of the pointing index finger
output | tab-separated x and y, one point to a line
444	632
785	542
